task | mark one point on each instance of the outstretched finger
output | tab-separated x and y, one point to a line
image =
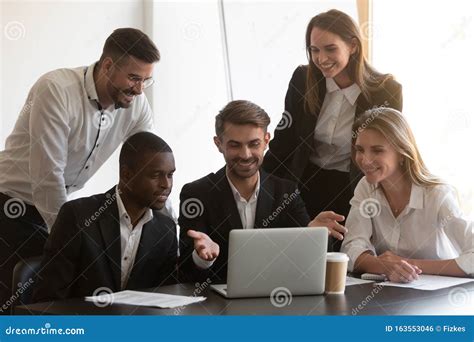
195	234
336	234
331	215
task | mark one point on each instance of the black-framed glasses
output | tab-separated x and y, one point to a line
145	82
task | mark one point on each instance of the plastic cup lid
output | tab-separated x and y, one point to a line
337	257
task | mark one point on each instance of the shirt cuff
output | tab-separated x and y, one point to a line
466	263
201	263
354	253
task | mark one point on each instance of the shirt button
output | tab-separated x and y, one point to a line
87	167
125	258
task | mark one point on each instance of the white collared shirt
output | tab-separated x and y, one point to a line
333	132
430	227
56	145
129	238
247	211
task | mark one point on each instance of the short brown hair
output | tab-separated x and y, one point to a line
241	112
125	42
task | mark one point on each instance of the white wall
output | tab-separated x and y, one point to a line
190	85
266	43
432	59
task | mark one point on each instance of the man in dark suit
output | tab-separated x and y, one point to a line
238	196
117	240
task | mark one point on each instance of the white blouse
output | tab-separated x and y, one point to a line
333	131
430	227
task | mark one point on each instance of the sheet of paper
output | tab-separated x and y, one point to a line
430	282
159	300
356	281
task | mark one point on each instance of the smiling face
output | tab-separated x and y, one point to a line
331	55
243	147
122	85
149	183
377	158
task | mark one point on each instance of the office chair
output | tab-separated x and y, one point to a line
24	277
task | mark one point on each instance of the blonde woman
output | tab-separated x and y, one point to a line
403	220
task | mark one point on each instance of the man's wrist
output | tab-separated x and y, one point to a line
200	262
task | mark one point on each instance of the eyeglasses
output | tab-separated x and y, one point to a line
145	83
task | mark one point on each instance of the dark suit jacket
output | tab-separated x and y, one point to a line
83	251
290	149
278	205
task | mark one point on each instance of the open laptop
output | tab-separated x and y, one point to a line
262	260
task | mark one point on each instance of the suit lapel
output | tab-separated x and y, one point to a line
361	105
308	125
152	233
148	241
265	201
321	90
226	207
109	225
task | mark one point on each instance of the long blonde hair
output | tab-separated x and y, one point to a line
394	127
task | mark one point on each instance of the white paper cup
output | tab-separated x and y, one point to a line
336	271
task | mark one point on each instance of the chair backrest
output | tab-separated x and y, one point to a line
24	278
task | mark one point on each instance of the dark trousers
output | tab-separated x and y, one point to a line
23	234
324	190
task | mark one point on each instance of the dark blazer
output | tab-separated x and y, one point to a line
83	251
278	205
291	147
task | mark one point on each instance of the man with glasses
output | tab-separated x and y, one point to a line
71	123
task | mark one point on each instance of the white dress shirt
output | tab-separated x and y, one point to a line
333	132
129	238
247	211
56	145
430	227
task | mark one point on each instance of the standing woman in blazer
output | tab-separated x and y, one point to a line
312	143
